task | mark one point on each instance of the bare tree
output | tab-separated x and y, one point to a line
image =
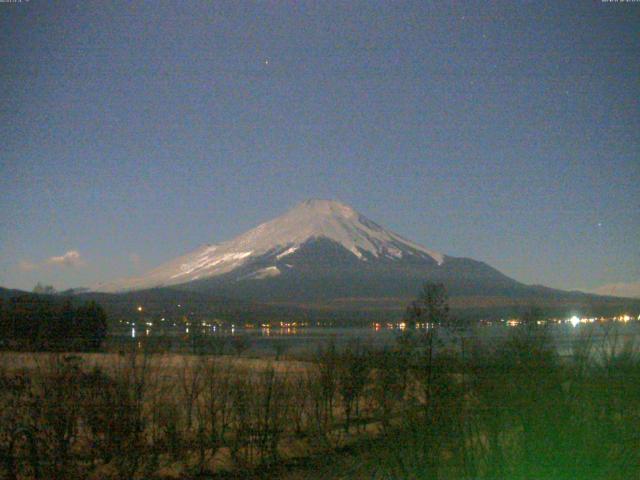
190	377
353	372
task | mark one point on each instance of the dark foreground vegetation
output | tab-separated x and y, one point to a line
417	410
45	323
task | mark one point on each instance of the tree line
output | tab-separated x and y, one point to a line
40	323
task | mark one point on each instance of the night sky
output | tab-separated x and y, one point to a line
508	132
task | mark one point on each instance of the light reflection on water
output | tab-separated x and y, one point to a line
606	335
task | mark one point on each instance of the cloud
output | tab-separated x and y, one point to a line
621	289
69	259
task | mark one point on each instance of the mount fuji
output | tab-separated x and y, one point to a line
325	255
275	246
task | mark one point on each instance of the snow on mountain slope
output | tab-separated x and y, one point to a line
282	236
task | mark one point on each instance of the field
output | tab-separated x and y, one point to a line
412	410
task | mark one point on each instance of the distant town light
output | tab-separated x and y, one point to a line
139	308
574	321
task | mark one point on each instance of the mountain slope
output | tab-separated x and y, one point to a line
313	219
324	255
322	269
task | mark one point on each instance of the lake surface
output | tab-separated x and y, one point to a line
605	337
610	336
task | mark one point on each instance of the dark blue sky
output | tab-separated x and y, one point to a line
507	132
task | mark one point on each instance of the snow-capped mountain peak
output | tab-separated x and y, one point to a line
281	237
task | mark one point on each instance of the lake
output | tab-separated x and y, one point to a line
304	340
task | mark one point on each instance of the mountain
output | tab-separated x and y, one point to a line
325	255
279	239
316	233
7	293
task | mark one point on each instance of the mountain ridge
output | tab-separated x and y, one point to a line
324	255
282	236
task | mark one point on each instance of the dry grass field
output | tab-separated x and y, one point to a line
169	363
513	411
